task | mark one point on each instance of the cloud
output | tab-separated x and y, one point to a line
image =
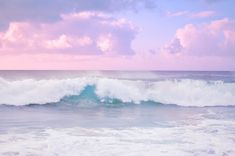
213	1
211	39
50	10
174	47
201	14
76	33
175	14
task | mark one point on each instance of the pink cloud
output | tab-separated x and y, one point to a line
201	14
64	42
77	33
175	14
210	39
105	42
50	10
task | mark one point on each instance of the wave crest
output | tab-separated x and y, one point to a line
185	92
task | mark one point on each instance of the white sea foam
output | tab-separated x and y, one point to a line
186	92
208	137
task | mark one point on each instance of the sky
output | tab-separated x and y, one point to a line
117	35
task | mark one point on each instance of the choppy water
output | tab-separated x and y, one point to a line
117	113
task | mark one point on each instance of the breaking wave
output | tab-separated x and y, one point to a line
184	92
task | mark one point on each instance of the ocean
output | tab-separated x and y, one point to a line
117	113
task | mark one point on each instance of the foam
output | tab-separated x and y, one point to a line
208	137
185	92
30	91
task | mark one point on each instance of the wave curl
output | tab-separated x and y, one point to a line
184	92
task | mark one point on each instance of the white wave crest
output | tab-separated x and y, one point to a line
185	92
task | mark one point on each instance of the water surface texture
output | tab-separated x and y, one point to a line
72	113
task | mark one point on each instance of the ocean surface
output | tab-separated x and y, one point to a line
117	113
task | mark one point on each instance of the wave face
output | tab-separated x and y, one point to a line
183	92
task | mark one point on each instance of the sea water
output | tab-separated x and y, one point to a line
103	113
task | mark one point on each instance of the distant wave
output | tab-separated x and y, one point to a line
184	92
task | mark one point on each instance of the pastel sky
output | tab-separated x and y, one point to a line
117	34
